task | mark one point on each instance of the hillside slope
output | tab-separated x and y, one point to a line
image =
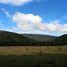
61	40
40	37
14	39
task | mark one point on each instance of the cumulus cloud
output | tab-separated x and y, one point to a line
15	2
56	27
31	22
27	21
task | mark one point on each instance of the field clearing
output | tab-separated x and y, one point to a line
32	50
33	56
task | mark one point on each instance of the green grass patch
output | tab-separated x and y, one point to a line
47	60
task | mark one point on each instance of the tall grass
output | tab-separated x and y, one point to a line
31	56
31	50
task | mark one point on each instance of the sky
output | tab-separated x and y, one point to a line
48	17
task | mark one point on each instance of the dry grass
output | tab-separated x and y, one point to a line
30	50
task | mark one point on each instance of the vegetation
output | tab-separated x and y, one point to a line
14	39
62	40
19	50
40	37
47	60
28	56
32	50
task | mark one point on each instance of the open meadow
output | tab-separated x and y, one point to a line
31	56
32	50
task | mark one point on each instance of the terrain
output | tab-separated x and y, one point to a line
32	50
47	60
32	56
14	39
40	37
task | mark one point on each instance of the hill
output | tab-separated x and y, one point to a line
61	40
13	39
40	37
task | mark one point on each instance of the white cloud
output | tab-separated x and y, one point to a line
33	23
15	2
64	29
30	23
27	22
56	27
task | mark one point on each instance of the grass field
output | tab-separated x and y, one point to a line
47	60
22	56
29	50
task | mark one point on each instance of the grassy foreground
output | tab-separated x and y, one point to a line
45	56
47	60
32	50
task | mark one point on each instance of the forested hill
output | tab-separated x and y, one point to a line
14	39
61	40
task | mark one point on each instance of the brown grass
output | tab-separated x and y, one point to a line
30	50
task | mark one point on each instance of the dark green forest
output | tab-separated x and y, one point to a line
14	39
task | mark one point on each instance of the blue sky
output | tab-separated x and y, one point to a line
34	16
